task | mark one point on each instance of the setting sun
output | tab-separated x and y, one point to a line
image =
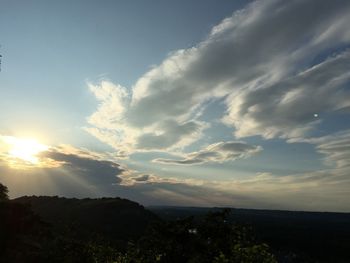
24	149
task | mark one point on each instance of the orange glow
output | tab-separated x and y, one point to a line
24	153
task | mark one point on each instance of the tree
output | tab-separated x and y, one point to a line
3	192
213	239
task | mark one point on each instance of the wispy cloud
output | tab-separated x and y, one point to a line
335	147
218	152
280	67
292	106
268	61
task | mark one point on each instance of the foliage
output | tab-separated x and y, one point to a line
65	249
3	192
22	233
26	238
212	240
116	219
294	236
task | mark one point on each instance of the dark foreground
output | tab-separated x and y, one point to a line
293	236
53	229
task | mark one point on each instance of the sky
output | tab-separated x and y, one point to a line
230	103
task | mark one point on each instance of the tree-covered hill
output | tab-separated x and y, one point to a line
113	230
113	218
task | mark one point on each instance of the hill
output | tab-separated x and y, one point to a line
114	230
113	218
293	236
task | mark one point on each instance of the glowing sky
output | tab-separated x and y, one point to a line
230	103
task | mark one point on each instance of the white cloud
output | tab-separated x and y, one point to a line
111	124
172	134
288	107
273	63
217	152
113	102
335	148
261	59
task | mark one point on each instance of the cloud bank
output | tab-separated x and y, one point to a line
271	63
84	173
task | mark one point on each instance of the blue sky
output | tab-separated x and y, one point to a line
237	103
56	47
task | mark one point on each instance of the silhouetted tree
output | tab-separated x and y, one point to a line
212	240
3	192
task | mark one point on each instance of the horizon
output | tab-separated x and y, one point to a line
242	104
180	207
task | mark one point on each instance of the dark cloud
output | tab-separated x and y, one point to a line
81	164
217	152
142	178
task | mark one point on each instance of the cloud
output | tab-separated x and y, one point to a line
62	170
89	166
217	152
84	173
275	64
21	153
112	125
321	190
173	133
129	179
335	148
268	60
288	107
92	167
113	100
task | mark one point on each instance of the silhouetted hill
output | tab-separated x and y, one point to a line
113	218
304	236
114	230
83	227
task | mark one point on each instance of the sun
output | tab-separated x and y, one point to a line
25	149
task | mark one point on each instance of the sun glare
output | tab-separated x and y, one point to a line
25	149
